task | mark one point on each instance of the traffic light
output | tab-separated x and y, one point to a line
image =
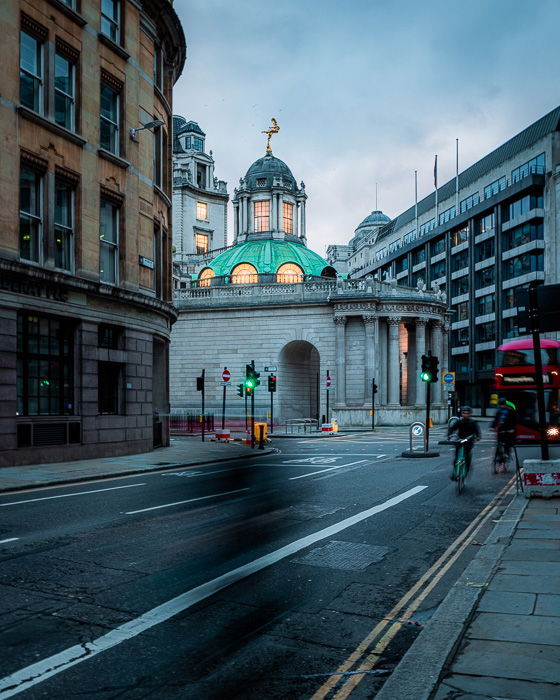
425	374
429	371
241	389
200	383
251	378
435	363
374	388
272	383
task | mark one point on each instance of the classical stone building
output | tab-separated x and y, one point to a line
272	300
199	201
85	226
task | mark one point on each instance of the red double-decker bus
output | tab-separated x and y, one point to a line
515	381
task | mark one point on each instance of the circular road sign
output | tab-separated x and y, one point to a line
328	381
417	429
226	375
448	378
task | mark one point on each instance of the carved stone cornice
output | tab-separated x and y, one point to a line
420	322
411	309
340	320
357	307
370	319
394	320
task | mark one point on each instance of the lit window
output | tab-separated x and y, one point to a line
205	277
288	273
110	19
64	91
201	243
63	225
109	242
244	273
30	215
31	73
109	119
262	216
288	217
201	211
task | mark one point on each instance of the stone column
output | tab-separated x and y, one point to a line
420	350
244	216
273	224
370	327
437	345
393	356
340	379
295	215
235	220
303	220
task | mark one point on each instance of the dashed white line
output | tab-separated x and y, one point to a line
189	500
68	495
46	668
339	466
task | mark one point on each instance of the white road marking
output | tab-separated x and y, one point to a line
380	456
339	466
189	500
10	539
313	460
41	670
67	495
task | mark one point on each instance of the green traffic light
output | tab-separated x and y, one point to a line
249	383
425	376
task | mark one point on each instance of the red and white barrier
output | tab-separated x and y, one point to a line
541	477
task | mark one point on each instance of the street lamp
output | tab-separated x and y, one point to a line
151	126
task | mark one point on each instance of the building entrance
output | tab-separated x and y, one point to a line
298	381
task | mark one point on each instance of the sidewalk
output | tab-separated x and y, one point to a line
497	633
183	452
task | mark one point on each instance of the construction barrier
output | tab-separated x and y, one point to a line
541	477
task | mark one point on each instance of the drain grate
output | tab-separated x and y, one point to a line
347	556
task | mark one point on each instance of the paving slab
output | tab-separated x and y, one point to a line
548	605
524	584
458	687
529	629
531	568
527	553
527	662
511	603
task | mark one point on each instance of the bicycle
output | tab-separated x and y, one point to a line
460	464
501	457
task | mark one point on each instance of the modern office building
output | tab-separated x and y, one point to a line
496	230
85	226
199	201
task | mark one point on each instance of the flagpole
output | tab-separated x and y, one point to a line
456	177
435	185
416	203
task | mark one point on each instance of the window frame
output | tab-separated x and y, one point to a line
39	78
199	206
69	97
113	23
68	228
114	148
201	250
38	216
288	218
261	220
113	246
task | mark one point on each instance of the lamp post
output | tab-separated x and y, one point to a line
151	126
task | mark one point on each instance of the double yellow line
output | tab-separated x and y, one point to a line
362	659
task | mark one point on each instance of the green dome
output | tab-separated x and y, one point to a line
267	256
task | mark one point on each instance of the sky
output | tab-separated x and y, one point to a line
365	92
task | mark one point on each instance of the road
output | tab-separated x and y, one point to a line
277	577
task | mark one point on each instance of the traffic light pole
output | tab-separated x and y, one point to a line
253	419
271	412
427	433
202	395
534	315
328	392
373	404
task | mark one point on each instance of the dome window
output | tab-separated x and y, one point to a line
289	273
262	216
261	182
244	273
288	217
205	277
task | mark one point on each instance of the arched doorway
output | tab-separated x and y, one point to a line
298	380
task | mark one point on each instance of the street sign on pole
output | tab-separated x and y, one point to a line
328	383
448	381
226	376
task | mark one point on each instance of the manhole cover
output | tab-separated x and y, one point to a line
348	556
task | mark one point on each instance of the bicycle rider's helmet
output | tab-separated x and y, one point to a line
466	409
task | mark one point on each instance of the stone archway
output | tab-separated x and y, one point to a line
298	373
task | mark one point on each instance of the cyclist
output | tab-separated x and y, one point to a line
504	424
465	427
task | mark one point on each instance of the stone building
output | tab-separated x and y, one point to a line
85	226
199	201
490	232
272	300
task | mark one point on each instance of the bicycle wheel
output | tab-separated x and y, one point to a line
499	457
460	474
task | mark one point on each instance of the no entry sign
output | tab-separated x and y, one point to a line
226	376
328	383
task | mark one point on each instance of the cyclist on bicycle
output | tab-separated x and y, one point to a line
504	424
465	427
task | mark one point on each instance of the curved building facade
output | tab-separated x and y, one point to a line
85	251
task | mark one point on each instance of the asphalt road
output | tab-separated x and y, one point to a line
277	577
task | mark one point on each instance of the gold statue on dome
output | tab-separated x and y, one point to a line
274	129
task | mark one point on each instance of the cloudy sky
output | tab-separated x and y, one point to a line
364	91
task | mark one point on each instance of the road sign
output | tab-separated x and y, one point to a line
328	383
448	381
417	429
226	376
270	368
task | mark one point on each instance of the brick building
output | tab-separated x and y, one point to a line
85	226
